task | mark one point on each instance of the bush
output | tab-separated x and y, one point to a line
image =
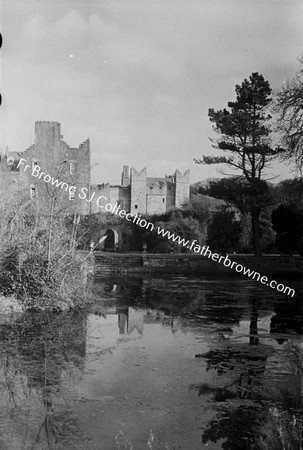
38	264
224	232
287	222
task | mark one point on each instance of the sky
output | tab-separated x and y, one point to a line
138	76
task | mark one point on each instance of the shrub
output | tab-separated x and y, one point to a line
38	264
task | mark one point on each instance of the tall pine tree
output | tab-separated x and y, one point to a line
244	133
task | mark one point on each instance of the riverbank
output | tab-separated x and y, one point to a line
269	265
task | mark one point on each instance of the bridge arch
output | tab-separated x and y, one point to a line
112	240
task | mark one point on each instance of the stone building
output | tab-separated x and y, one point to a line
139	193
50	171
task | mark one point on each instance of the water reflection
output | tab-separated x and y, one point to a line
173	363
38	352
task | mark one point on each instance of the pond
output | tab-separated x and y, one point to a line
156	363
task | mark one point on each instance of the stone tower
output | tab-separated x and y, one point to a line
57	160
138	191
181	188
48	137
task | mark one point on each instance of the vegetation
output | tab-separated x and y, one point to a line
37	259
288	224
224	232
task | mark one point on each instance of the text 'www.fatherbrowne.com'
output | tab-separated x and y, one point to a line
137	219
205	251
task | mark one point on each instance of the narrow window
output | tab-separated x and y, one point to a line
72	194
136	206
164	200
32	192
34	163
14	167
72	167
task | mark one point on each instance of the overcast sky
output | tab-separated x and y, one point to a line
138	76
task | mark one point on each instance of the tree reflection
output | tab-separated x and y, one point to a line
244	401
39	353
288	319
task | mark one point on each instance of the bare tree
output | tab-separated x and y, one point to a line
288	106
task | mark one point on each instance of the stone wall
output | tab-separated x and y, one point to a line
99	196
121	196
156	193
265	265
196	264
48	136
81	157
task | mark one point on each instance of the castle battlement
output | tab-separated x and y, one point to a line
182	178
136	175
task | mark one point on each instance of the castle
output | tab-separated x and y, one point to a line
137	193
145	195
52	156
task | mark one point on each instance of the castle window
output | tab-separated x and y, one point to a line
32	192
164	200
72	194
34	163
136	206
14	167
72	167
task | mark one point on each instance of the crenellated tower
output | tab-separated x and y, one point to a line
181	188
48	137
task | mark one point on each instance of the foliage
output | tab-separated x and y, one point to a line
244	130
289	191
186	227
287	222
202	206
180	222
238	192
267	234
213	160
224	232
